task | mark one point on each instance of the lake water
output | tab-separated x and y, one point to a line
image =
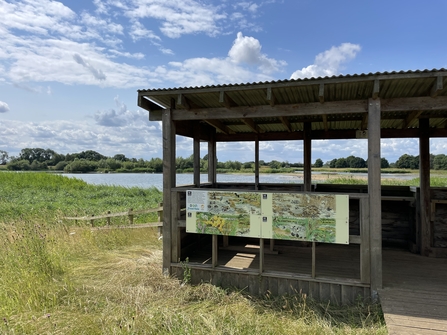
147	180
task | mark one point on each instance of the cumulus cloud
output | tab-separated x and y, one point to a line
120	116
98	74
4	108
232	69
247	50
329	62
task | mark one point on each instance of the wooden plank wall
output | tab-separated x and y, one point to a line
254	284
440	217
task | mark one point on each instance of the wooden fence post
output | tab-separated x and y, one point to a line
130	215
108	218
91	221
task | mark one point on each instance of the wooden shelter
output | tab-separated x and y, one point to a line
370	106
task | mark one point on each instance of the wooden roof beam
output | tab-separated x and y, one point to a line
410	118
226	100
220	126
148	104
376	89
271	97
437	87
285	121
253	126
321	93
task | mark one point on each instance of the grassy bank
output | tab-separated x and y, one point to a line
57	278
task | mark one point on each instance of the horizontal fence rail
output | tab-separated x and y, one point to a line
130	214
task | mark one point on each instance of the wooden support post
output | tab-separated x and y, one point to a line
130	216
374	192
261	255
196	154
160	219
314	260
92	222
272	244
108	218
307	157
212	158
365	254
424	177
168	183
257	163
215	251
175	233
225	241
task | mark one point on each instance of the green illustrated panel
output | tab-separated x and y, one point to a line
223	213
282	216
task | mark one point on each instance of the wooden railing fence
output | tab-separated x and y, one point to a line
130	214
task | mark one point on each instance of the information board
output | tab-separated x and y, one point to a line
282	216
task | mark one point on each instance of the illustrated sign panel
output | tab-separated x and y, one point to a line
283	216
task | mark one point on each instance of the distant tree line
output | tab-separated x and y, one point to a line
38	159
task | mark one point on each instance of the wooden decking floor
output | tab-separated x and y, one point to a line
414	294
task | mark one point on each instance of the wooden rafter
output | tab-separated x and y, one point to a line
321	93
185	102
253	126
410	118
226	100
285	121
220	126
271	97
437	87
376	89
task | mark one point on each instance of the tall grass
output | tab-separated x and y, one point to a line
49	196
434	181
57	278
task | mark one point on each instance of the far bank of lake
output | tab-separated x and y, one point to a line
147	180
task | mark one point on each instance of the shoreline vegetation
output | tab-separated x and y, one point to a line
38	159
57	277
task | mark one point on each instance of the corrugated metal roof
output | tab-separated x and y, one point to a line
313	92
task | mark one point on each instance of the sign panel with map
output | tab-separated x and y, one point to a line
282	216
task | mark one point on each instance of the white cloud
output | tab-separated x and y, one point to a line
120	116
329	62
247	50
177	17
209	71
98	74
138	32
135	140
4	108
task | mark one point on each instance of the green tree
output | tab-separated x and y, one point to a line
19	165
384	164
341	163
81	166
120	157
408	162
440	162
318	163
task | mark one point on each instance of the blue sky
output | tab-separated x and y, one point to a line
70	70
